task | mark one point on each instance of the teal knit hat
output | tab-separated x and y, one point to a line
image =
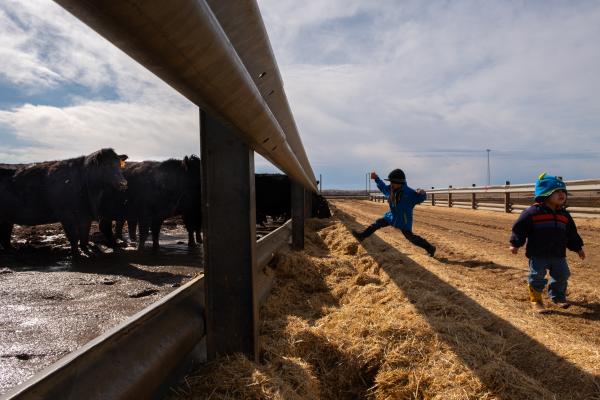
547	184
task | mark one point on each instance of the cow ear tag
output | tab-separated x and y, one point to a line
122	164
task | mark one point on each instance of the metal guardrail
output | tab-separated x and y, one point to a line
242	22
136	358
507	204
184	44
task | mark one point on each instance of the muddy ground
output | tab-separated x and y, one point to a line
51	305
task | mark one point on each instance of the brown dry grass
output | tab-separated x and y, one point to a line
350	321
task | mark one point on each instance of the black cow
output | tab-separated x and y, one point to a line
155	192
320	206
67	191
273	198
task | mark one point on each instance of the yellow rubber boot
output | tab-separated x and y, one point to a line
536	300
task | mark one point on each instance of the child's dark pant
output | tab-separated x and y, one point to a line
414	239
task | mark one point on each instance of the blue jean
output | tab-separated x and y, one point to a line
559	274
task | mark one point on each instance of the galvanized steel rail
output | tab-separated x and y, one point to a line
134	359
184	44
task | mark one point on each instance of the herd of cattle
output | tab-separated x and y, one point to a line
103	187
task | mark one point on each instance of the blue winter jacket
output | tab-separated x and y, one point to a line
401	208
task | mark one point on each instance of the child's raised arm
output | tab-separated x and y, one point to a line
383	188
419	196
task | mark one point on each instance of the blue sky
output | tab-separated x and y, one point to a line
374	85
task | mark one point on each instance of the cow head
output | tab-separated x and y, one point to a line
105	168
191	164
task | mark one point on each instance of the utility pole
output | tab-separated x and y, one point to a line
367	182
320	183
488	166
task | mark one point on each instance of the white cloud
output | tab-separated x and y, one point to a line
47	48
425	86
139	130
410	78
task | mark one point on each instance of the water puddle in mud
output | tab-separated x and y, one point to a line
52	304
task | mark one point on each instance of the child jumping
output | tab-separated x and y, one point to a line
548	230
402	199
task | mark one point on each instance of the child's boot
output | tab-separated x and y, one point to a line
562	303
536	300
360	236
431	250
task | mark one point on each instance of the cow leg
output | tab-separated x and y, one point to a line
5	235
119	229
132	227
84	235
191	239
144	227
105	226
72	233
156	224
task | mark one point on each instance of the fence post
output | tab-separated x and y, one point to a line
320	183
298	200
449	196
432	198
308	204
507	203
474	200
228	200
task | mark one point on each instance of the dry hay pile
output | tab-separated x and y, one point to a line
336	326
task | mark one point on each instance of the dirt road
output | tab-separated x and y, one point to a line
473	257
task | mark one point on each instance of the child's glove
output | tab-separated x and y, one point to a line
581	254
420	191
373	175
514	249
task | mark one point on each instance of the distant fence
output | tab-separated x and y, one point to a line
584	197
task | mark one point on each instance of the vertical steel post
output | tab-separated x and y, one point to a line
432	198
488	167
449	196
507	203
298	195
320	183
229	228
473	199
308	204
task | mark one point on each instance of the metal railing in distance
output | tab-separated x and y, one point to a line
575	185
506	203
130	361
183	43
134	359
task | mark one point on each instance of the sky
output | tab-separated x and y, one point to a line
373	85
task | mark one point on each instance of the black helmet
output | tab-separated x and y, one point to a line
397	176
